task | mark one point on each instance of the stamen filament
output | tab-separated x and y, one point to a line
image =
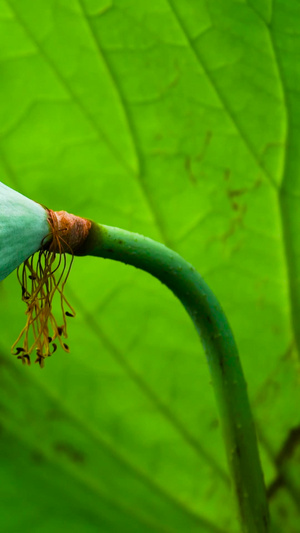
37	279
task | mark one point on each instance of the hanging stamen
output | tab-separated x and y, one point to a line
42	276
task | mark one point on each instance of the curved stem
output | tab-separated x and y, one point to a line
221	352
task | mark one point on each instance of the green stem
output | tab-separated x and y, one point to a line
221	352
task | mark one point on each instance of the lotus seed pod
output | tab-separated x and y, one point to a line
27	227
23	227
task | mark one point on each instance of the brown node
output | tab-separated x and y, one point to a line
69	231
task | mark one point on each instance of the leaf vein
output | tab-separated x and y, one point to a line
221	98
139	174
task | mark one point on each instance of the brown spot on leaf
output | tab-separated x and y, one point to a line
67	449
227	173
232	193
206	143
189	170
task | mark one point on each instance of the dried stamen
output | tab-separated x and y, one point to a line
41	276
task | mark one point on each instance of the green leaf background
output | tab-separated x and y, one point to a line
177	119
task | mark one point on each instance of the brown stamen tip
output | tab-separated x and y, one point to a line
72	231
40	360
54	348
19	350
25	359
25	295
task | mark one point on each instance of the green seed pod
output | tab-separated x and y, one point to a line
23	226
